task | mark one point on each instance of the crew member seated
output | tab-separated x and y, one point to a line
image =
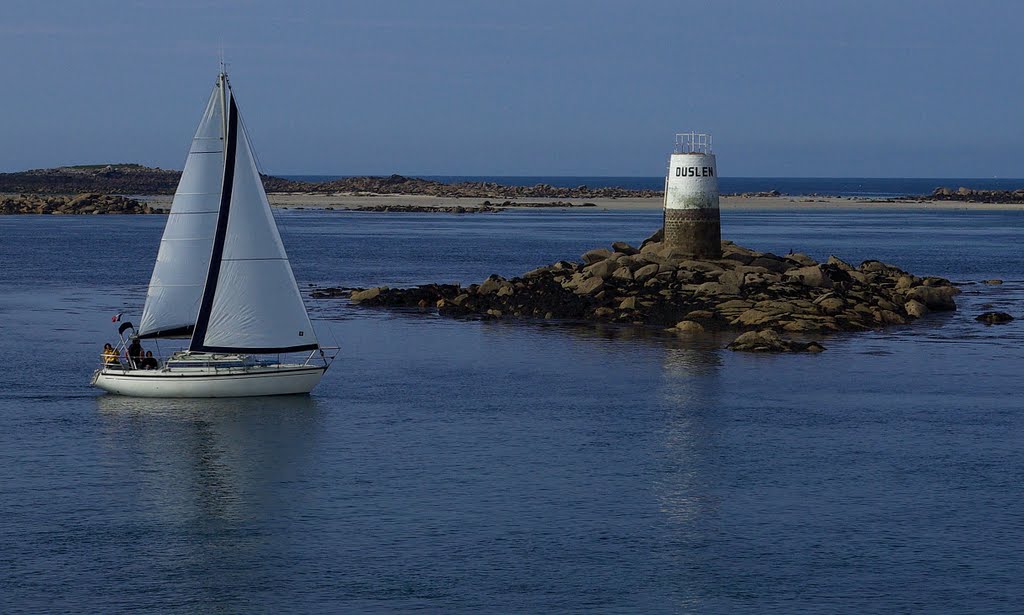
110	356
149	362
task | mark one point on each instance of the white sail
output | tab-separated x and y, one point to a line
179	275
255	304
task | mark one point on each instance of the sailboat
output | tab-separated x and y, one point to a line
223	281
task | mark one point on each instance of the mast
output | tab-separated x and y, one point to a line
230	148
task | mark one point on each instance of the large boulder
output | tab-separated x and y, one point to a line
368	294
716	288
598	254
633	263
602	269
624	248
838	262
589	286
915	309
770	341
654	247
801	259
832	305
623	273
657	237
757	318
646	272
491	284
709	268
771	263
689	326
811	276
994	318
938	298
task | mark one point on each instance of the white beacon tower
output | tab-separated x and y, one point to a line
692	222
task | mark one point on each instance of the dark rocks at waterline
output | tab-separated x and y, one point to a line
484	208
426	209
977	196
762	194
994	318
540	205
81	204
658	285
767	340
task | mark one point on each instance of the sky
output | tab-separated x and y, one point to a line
787	88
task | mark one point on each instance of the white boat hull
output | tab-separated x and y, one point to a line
199	382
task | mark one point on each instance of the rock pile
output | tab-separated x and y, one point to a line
657	285
763	193
978	196
485	207
426	209
549	204
767	340
87	203
399	184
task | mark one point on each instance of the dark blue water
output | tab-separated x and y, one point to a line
865	187
452	466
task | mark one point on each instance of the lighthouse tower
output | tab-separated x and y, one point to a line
692	223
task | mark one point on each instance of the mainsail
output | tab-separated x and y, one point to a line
177	283
222	273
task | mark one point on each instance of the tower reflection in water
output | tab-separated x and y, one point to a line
692	392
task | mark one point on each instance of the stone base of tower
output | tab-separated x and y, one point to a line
698	232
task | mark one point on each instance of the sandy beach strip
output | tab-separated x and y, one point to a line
765	203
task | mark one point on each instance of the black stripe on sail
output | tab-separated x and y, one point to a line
203	319
259	350
183	331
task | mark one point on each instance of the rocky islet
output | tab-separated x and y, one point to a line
658	285
80	204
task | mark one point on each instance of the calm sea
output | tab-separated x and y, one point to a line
869	187
500	467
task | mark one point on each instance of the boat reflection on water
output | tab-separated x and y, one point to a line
211	459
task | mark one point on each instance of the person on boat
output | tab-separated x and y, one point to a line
110	356
135	353
150	361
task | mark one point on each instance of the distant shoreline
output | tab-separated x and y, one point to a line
418	203
85	189
134	179
727	203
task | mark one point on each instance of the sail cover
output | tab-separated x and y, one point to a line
183	260
251	302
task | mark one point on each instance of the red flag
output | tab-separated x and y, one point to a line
116	318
